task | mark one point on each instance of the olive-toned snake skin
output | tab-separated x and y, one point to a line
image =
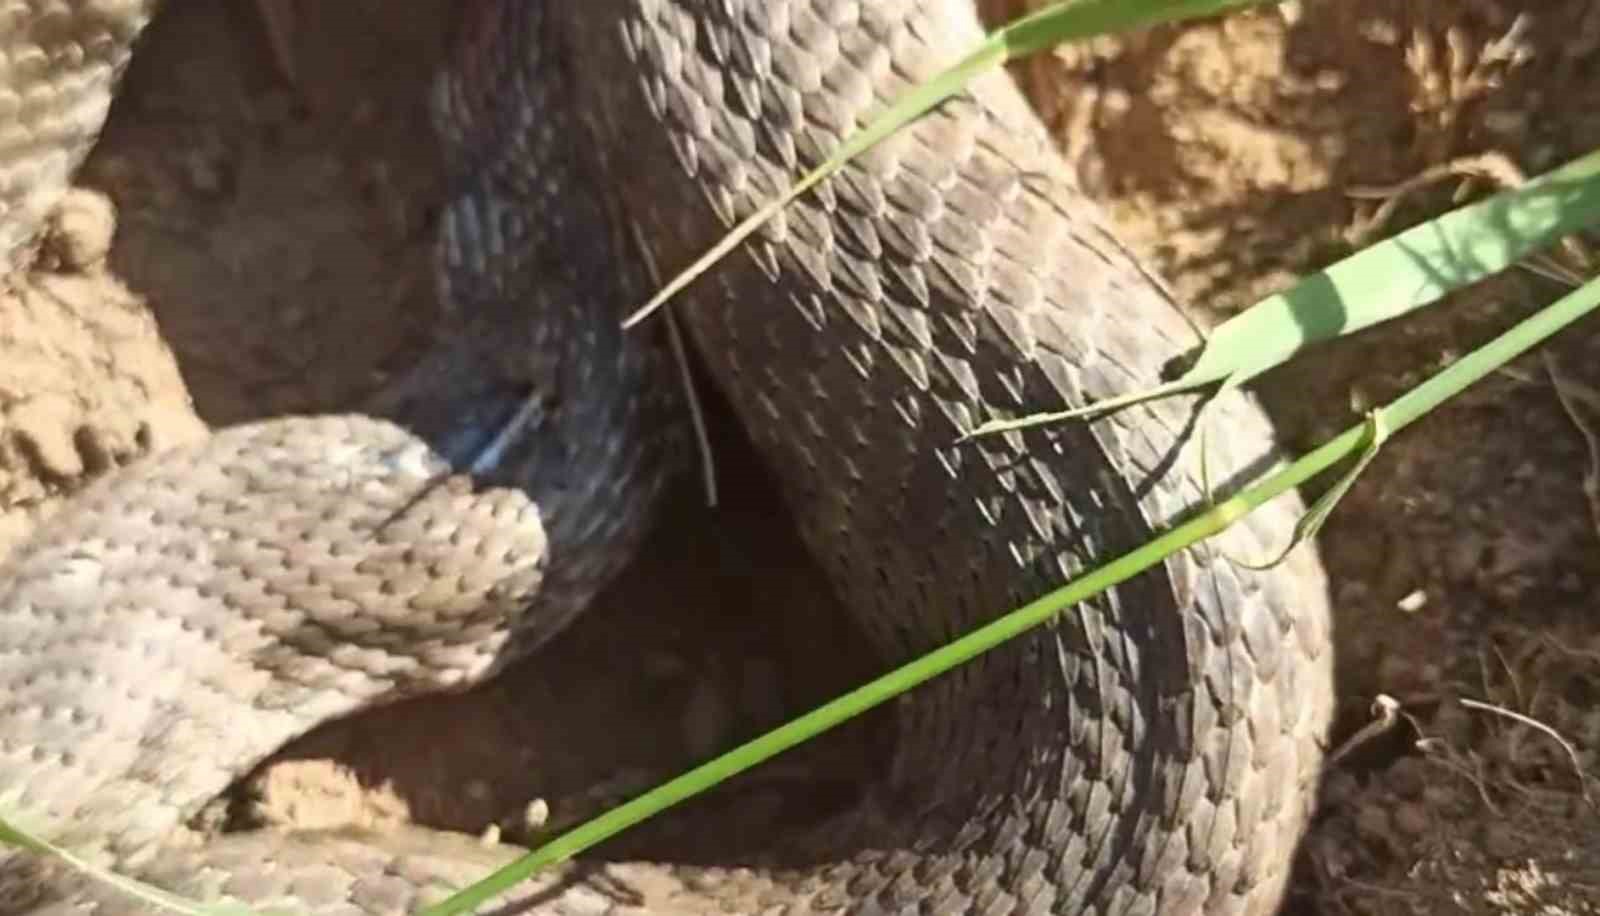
1154	751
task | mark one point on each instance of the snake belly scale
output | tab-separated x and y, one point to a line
1155	750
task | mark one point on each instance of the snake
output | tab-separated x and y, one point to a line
1154	749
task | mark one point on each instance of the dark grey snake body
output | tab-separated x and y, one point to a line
1154	751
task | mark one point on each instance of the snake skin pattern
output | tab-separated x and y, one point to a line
59	65
1154	751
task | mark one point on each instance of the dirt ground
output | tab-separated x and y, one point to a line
270	255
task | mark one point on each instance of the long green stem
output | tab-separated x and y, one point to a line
1397	415
895	682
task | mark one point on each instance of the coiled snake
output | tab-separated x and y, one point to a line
1154	751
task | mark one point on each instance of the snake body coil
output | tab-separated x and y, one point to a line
1153	751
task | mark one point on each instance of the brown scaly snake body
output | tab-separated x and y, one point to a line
1154	751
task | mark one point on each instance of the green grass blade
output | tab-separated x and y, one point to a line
1377	432
1028	35
1413	269
894	683
912	106
1397	415
1385	281
11	835
1087	411
857	701
1529	333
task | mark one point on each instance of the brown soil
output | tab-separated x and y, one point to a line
271	256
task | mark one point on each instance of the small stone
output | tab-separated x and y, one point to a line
81	229
1413	602
535	815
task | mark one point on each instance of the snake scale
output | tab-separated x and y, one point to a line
1153	751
